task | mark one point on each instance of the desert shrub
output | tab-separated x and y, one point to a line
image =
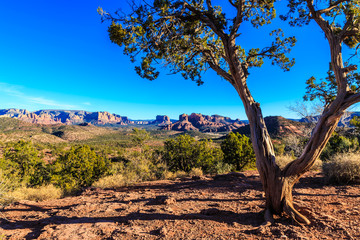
168	175
112	181
21	160
196	172
283	160
238	150
41	193
79	167
222	168
133	167
6	185
279	149
294	145
185	153
181	174
139	136
339	144
342	169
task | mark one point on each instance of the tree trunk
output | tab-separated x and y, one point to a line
277	183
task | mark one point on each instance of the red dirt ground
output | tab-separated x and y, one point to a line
225	207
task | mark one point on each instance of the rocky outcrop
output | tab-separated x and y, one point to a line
204	123
161	120
278	126
182	125
68	117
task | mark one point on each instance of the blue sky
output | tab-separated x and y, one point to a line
57	55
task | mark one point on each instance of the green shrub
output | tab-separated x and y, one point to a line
21	160
79	167
238	150
139	136
342	169
339	144
185	153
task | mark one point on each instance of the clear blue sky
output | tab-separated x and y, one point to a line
57	55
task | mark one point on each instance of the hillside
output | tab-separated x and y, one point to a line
278	127
15	130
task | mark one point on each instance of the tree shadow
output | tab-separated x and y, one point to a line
210	214
32	207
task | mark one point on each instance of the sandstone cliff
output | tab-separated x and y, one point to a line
68	117
204	123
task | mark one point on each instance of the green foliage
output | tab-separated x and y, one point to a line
192	36
79	167
279	149
355	122
185	153
22	160
326	89
339	144
139	136
238	150
340	21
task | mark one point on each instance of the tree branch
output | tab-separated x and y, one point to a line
238	19
331	7
221	72
205	19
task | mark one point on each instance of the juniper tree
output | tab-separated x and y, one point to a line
340	22
192	36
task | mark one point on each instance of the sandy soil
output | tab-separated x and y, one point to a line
225	207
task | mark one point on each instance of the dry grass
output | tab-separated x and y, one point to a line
113	181
5	187
37	194
196	172
283	160
117	180
343	169
181	174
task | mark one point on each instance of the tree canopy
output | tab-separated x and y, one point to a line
340	21
190	37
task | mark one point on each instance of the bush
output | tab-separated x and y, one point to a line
79	167
238	150
22	161
339	144
342	169
196	172
294	145
185	153
113	181
5	187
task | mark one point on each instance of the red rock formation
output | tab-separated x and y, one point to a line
204	123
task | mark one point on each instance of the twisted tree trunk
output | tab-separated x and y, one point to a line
277	183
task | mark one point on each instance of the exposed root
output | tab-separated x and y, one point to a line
294	214
269	220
